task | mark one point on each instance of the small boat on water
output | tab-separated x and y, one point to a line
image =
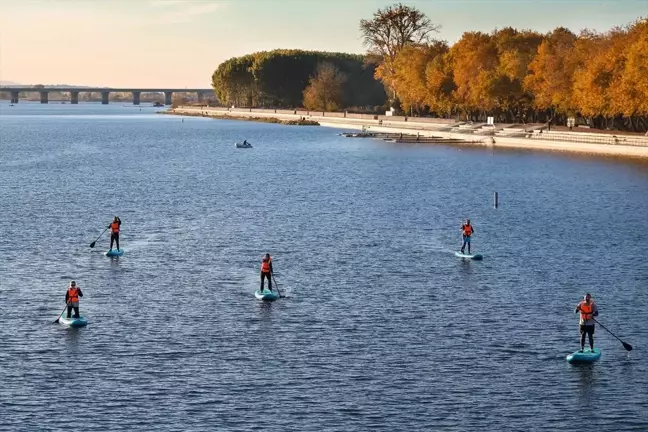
243	145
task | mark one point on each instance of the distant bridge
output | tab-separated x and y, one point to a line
105	92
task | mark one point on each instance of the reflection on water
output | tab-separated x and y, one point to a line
586	382
72	336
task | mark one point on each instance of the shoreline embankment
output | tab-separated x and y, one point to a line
513	136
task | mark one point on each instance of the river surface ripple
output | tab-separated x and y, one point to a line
383	328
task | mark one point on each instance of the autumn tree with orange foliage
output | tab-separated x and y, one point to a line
631	89
610	87
410	75
520	76
324	91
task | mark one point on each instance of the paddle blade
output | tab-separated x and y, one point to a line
627	346
57	320
92	244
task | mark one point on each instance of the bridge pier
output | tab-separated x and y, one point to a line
44	97
104	97
136	97
14	97
168	96
74	97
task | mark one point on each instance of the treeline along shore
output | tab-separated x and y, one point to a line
598	79
517	136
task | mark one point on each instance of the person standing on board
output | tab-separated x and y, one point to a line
266	271
588	310
114	231
466	232
72	299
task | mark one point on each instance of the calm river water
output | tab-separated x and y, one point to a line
383	328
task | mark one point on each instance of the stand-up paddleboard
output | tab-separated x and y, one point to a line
73	322
114	252
476	257
585	356
266	295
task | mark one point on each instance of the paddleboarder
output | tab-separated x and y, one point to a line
72	299
466	232
114	232
588	310
266	271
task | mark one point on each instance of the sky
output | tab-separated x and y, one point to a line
179	43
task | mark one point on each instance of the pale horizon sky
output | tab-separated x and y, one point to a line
179	43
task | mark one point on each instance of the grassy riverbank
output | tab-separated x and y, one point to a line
222	115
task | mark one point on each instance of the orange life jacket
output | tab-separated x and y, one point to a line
265	265
114	227
73	295
467	229
586	310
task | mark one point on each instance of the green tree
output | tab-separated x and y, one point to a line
233	81
278	78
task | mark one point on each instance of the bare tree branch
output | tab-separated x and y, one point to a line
392	29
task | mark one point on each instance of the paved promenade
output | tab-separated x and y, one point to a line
532	137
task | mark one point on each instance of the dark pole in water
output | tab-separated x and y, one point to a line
495	200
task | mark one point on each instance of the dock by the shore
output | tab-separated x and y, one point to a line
531	137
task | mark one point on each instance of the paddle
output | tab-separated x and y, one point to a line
277	285
627	346
102	233
61	314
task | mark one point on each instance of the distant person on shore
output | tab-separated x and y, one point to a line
266	271
549	124
114	226
466	232
588	310
72	299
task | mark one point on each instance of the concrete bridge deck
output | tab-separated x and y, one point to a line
105	92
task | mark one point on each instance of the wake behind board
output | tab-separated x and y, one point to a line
266	295
585	356
73	322
114	252
476	257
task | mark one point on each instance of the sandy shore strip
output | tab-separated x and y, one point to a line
498	136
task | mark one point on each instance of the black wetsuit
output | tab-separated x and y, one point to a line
70	306
267	275
114	236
